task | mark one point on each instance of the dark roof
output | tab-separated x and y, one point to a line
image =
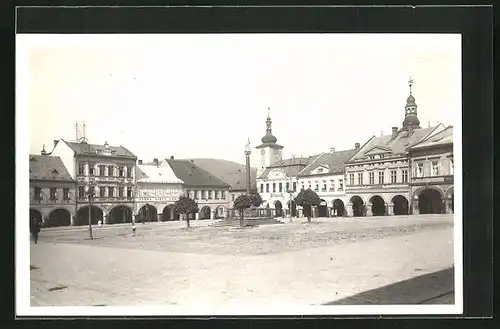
397	145
268	144
229	172
47	167
117	151
444	137
335	161
291	167
193	175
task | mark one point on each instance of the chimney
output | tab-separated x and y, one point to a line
332	149
140	162
394	132
155	161
171	157
55	142
43	150
356	145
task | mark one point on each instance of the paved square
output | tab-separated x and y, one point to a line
291	264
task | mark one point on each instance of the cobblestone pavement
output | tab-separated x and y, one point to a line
293	263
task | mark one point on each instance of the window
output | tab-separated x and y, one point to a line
332	185
129	192
309	186
324	187
111	171
274	187
38	193
223	195
372	178
341	184
232	197
196	195
129	172
81	191
434	168
261	188
267	187
121	191
393	176
91	169
111	192
102	191
360	178
66	194
121	172
295	186
102	170
381	177
302	187
404	173
351	179
216	195
287	186
317	187
419	170
280	187
210	195
81	169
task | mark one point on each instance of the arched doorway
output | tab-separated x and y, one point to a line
166	214
338	207
322	209
430	201
279	208
83	215
357	206
120	214
148	213
378	205
400	205
59	217
220	212
35	215
294	208
205	213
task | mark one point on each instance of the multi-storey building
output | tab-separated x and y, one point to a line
105	172
325	176
52	191
377	176
157	190
431	183
209	191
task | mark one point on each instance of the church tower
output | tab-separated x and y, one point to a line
411	121
270	152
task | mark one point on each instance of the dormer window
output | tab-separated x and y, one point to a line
319	170
55	172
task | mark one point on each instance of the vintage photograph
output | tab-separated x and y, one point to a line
192	174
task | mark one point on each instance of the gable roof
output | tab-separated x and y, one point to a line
230	172
195	176
151	173
47	167
397	145
96	149
334	161
291	167
444	137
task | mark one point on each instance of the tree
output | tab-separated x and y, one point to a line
307	198
243	202
256	199
186	206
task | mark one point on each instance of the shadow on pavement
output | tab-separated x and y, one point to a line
424	289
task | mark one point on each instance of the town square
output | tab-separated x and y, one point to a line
258	188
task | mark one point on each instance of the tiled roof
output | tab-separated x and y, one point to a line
230	172
48	167
151	173
397	145
291	167
335	161
441	138
83	148
193	175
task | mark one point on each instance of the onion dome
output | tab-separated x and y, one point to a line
269	137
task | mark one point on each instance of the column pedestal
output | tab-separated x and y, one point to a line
159	217
197	216
104	219
414	209
369	210
74	220
212	214
390	209
349	211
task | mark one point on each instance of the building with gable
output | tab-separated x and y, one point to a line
378	174
432	168
209	191
157	190
52	191
105	172
325	175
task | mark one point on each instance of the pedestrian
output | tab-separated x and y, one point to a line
99	223
35	229
133	228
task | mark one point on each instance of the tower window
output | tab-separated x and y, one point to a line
261	188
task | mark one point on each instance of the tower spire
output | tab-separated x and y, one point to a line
410	83
411	121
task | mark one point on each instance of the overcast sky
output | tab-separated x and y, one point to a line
195	96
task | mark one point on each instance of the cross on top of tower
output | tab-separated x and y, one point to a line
410	83
268	112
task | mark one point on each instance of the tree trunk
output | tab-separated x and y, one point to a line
187	220
241	218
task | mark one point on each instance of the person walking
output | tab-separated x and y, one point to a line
133	228
35	229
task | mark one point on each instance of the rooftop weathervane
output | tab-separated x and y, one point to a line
410	83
